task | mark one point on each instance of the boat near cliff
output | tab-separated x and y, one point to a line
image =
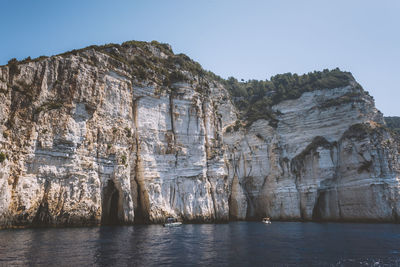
172	222
266	220
132	133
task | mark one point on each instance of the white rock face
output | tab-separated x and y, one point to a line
87	143
94	141
322	162
181	162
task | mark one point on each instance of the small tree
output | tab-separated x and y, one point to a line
13	67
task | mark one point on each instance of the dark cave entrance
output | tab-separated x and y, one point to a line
110	205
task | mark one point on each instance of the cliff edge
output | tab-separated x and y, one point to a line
133	133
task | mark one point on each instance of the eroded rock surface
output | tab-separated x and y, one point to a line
92	137
322	162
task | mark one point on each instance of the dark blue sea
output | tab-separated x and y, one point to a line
233	244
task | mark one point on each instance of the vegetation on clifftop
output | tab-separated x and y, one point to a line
393	123
145	61
155	62
255	98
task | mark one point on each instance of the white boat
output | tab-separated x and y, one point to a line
266	220
172	222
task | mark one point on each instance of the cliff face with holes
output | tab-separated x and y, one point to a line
329	158
133	133
86	140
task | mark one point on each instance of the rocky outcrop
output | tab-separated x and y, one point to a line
133	133
326	160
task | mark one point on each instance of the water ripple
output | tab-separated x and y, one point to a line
233	244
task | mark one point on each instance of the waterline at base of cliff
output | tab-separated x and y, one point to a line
133	133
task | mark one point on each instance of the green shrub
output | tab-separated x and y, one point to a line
344	99
40	58
176	76
393	123
54	105
358	131
255	98
133	43
165	48
237	126
13	67
50	105
26	60
3	157
123	159
128	132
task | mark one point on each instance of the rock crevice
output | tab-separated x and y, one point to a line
134	133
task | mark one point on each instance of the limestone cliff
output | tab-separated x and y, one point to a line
133	133
321	162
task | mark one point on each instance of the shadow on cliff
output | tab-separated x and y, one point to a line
110	205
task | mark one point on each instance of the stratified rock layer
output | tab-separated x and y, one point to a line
85	141
322	162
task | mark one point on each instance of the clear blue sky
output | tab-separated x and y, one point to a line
245	39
